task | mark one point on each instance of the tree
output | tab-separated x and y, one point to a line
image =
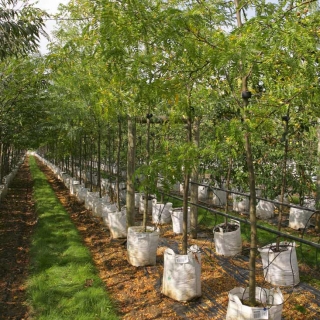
21	25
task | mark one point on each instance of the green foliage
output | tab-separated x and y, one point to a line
21	25
23	88
182	60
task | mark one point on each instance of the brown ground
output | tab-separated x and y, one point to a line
136	291
17	219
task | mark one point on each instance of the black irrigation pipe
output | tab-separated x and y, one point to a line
248	196
309	243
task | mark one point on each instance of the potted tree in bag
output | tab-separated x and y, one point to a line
142	241
182	271
252	302
227	235
279	259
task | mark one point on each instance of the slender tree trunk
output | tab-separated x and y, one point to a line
228	188
186	190
118	165
318	181
130	171
80	160
91	163
1	161
145	213
252	188
72	157
109	152
85	156
99	162
185	213
253	222
284	177
194	187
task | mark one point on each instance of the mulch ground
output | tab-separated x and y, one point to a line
136	291
17	220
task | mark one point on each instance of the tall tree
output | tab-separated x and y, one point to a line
21	25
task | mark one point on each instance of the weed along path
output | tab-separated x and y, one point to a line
77	271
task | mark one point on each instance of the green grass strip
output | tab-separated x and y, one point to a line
64	283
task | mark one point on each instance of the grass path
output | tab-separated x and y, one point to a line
64	283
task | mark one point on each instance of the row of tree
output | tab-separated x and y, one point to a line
182	85
247	71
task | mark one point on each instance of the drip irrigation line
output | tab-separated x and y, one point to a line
245	221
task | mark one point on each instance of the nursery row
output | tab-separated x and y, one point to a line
300	217
182	90
183	284
280	266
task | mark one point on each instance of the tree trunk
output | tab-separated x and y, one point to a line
318	181
118	165
252	187
85	155
99	162
130	172
80	160
194	187
229	194
186	189
284	177
145	213
72	157
91	163
253	222
185	214
1	162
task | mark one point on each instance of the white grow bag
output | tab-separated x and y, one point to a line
280	268
142	246
141	203
299	218
265	209
137	199
272	299
227	243
219	197
74	185
90	198
161	213
66	178
82	193
177	220
203	192
107	208
99	204
240	203
118	224
182	274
